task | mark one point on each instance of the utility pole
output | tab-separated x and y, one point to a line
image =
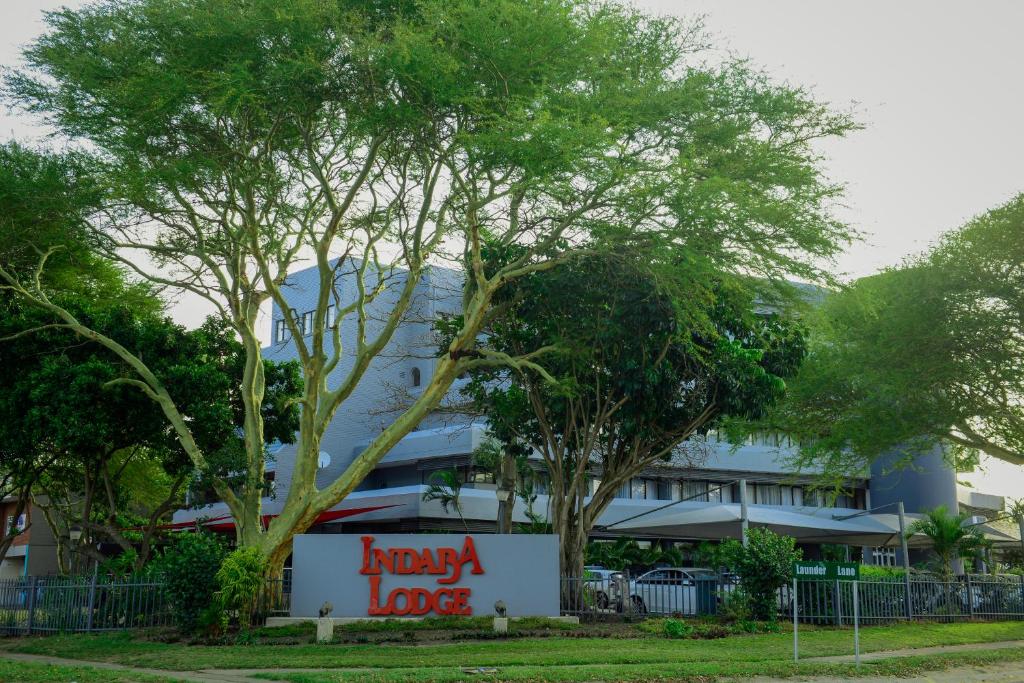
909	607
744	520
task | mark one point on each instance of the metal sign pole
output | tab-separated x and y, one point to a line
796	637
856	624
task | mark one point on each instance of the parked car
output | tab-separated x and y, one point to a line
673	590
602	584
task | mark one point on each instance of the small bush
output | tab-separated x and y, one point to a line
212	621
189	566
240	578
765	564
677	629
735	606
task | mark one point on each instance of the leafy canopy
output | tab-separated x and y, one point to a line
932	351
238	140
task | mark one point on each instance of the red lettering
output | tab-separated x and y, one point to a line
405	609
384	560
406	561
447	607
368	567
460	602
469	555
419	601
449	557
428	565
375	608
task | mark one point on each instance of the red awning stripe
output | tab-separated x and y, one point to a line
219	523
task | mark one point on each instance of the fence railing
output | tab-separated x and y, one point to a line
606	597
966	597
69	604
821	602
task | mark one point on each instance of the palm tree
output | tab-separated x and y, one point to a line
950	538
445	487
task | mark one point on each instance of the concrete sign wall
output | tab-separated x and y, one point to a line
406	575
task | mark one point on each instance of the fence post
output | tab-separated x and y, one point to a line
796	623
92	601
1021	582
31	604
837	603
905	552
970	595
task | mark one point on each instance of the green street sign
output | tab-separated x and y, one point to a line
826	571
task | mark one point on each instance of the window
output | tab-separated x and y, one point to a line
332	316
280	330
638	489
883	557
714	492
623	491
415	377
695	489
306	323
769	494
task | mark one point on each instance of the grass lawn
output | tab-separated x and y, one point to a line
25	672
639	656
690	672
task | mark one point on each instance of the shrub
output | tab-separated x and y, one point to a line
870	572
189	566
677	629
735	606
241	577
764	565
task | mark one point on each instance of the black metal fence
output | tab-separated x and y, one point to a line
878	601
73	604
611	597
821	602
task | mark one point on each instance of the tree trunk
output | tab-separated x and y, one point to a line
507	475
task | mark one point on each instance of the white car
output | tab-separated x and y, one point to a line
602	584
673	590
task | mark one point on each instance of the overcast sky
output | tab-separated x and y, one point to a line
936	84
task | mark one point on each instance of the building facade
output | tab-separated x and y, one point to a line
715	475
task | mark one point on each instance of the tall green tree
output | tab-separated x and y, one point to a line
637	357
45	202
63	402
930	352
240	139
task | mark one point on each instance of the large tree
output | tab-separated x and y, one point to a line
44	203
111	468
638	357
928	353
371	139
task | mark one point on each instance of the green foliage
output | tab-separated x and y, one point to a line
189	566
241	579
764	565
927	352
736	606
677	629
240	133
212	621
870	572
949	538
445	486
626	553
832	552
